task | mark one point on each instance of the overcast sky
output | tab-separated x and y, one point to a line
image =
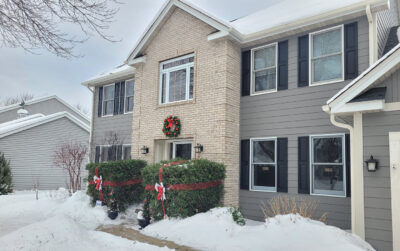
46	74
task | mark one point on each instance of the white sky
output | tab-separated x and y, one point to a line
46	74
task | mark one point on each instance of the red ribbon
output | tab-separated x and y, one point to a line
170	123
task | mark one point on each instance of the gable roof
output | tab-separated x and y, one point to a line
380	70
18	125
42	99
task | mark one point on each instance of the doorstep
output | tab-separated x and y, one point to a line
127	232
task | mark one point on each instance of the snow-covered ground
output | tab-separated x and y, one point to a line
215	230
57	222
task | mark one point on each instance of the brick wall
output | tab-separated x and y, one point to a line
212	117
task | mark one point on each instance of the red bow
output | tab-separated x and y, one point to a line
98	180
170	123
161	193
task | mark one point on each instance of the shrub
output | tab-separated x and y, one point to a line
187	202
237	216
280	205
5	176
117	171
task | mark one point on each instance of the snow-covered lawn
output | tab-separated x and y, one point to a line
57	222
215	230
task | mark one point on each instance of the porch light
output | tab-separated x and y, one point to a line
198	148
144	150
372	164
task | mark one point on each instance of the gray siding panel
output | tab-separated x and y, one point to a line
31	153
392	87
385	20
292	113
121	124
378	225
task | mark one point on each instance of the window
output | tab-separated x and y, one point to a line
327	57
126	152
328	169
176	80
263	174
105	153
129	84
264	69
108	100
181	149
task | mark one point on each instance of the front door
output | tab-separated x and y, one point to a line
394	145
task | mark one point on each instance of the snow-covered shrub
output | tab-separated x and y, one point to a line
117	172
281	205
237	216
5	176
187	184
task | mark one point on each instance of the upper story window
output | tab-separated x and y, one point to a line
263	169
326	56
328	167
129	95
264	69
108	100
176	80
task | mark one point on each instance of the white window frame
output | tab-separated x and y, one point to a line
167	73
181	142
262	188
126	96
125	146
327	192
103	110
253	75
101	153
310	56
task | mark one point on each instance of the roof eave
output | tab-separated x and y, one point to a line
128	73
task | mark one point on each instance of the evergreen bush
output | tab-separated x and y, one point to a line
5	176
188	202
117	171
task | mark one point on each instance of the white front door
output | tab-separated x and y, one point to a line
394	144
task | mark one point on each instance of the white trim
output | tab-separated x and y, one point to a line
124	71
252	72
42	120
102	102
394	166
329	193
167	72
125	95
260	188
390	107
363	106
310	56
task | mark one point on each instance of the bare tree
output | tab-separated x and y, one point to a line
32	24
70	157
81	108
23	97
112	138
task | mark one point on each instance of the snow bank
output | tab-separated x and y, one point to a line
215	230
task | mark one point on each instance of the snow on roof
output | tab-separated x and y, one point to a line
287	11
119	71
30	121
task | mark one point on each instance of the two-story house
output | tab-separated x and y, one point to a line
249	93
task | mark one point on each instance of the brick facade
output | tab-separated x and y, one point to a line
212	117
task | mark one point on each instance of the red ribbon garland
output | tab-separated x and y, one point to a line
111	184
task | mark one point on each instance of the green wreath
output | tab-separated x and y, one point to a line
172	126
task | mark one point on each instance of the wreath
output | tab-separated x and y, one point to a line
172	126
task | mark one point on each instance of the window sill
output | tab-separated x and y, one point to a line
328	195
176	103
265	191
326	82
263	92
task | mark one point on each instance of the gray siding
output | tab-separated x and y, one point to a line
386	20
393	88
46	107
121	124
31	153
378	216
292	113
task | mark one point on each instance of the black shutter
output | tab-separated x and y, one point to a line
246	73
119	152
244	164
283	165
303	61
122	98
283	65
304	165
348	165
97	155
116	98
351	50
100	104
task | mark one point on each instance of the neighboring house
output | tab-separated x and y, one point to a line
250	92
29	140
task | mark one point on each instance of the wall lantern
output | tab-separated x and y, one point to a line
372	164
144	150
198	148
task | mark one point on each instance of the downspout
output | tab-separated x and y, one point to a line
373	52
91	124
357	202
